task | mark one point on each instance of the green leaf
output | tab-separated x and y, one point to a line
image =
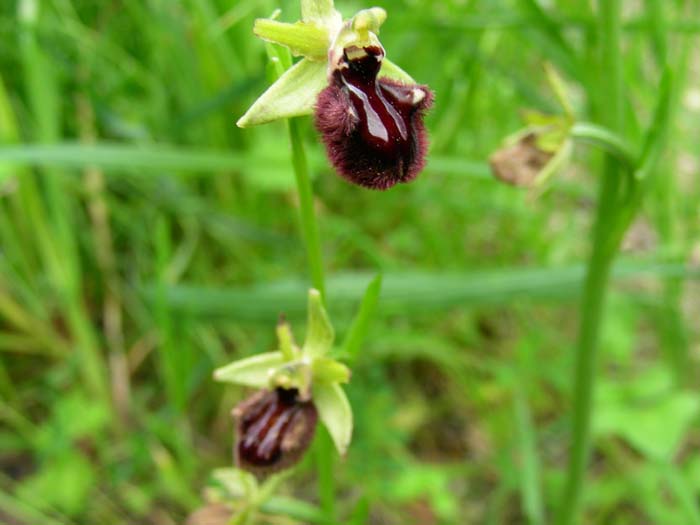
634	410
252	371
360	325
391	70
335	413
8	127
320	334
64	482
302	39
410	294
293	95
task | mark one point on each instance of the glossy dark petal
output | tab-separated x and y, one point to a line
274	429
373	128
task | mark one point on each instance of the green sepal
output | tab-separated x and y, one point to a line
558	86
320	333
302	39
391	70
252	371
327	370
293	95
320	12
335	413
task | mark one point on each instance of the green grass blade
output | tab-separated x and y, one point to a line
361	324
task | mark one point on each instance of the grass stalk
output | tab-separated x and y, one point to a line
598	271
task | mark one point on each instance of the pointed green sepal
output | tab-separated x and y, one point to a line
320	12
302	39
252	371
293	95
558	86
327	370
391	70
335	413
320	334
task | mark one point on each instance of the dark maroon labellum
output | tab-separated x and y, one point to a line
372	127
274	429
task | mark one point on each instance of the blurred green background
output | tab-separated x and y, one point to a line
145	240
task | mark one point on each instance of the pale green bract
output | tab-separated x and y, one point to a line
320	32
308	369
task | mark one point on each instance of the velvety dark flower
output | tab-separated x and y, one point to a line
274	428
372	127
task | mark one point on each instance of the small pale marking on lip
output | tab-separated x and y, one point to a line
418	96
354	53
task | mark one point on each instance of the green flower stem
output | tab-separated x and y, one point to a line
607	140
309	226
598	272
325	456
312	240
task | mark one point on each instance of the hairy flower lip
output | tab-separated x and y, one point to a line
273	430
320	38
372	127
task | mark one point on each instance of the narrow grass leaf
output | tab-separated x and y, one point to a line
361	324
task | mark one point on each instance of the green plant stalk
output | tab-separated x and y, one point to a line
605	139
598	271
309	225
310	232
593	301
282	60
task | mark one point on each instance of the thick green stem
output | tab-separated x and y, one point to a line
598	272
592	306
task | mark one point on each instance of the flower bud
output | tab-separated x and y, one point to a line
372	127
274	428
520	163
